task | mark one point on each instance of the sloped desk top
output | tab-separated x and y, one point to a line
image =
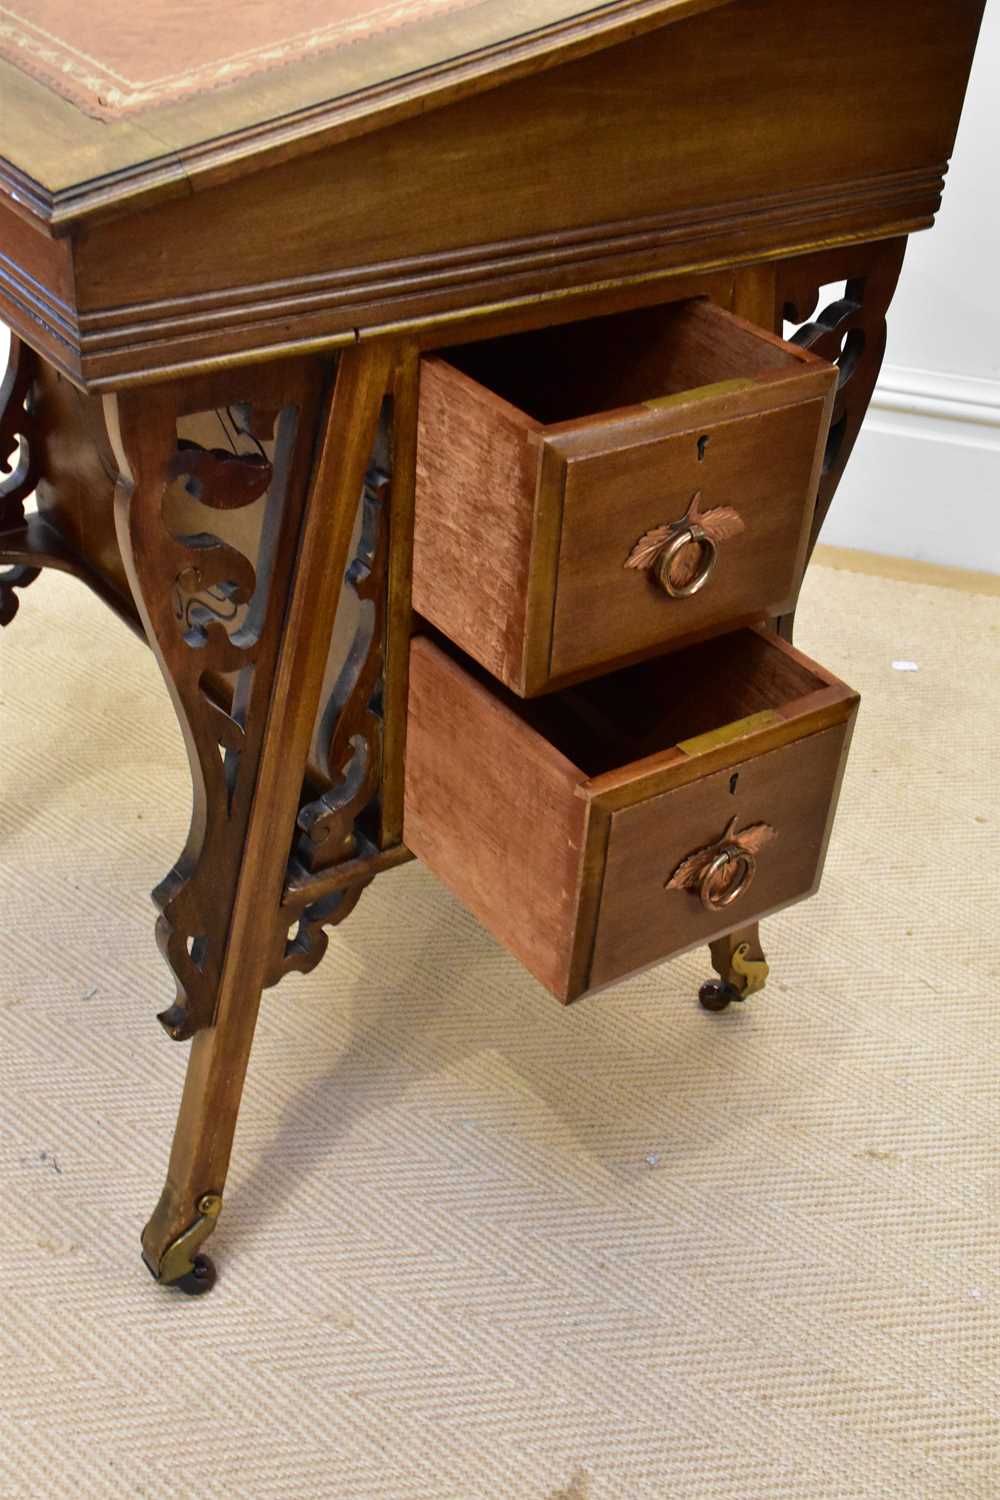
100	109
469	156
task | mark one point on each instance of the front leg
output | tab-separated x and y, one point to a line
249	757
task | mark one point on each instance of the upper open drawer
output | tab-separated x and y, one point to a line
593	493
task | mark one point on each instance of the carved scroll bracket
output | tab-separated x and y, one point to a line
850	331
212	618
350	743
17	437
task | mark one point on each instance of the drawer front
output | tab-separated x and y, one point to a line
748	483
777	808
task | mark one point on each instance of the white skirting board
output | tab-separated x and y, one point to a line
924	479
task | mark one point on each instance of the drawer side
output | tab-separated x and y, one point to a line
476	478
492	808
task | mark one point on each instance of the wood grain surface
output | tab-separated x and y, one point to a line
492	808
477	474
790	789
544	456
558	822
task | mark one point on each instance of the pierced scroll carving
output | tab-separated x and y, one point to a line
304	945
351	731
212	618
349	739
850	331
18	462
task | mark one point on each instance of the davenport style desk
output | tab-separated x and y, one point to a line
411	378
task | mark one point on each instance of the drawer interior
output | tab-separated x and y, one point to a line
574	370
643	710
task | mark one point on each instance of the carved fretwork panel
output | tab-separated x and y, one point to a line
348	752
302	938
212	611
849	330
18	466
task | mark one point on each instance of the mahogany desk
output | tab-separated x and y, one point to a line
411	382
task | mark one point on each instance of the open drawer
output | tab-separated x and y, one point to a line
608	826
592	493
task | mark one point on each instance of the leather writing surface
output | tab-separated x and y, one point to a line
114	57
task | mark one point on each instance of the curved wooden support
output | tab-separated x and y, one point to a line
17	577
849	331
212	617
17	436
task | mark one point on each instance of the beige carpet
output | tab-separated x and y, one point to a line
477	1246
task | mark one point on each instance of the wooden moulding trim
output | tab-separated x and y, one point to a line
34	295
451	269
573	304
427	325
31	312
184	369
140	364
190	153
143	363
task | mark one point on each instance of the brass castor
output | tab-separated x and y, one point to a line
182	1264
199	1280
715	994
740	975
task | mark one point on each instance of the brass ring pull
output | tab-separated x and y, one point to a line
687	534
731	854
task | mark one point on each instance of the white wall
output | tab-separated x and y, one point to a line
924	480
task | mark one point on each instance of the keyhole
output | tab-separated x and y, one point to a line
702	445
732	783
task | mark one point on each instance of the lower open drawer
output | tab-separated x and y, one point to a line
604	828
